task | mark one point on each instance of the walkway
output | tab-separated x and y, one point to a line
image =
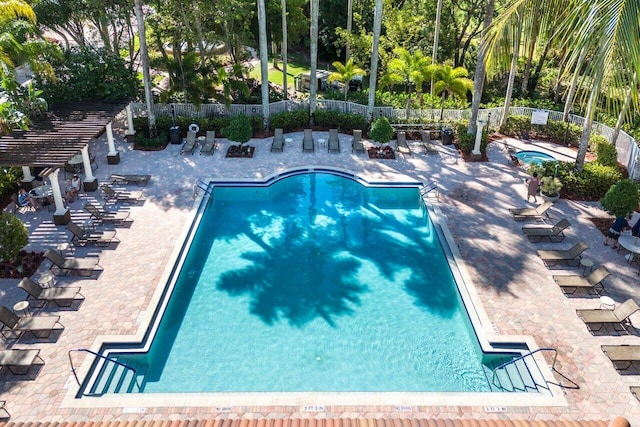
515	288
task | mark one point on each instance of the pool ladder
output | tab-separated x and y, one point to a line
430	191
199	185
128	373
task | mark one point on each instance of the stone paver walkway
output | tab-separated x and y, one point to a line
516	290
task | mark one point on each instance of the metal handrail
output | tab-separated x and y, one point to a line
86	350
204	187
531	353
432	186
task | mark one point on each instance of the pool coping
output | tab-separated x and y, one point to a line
484	328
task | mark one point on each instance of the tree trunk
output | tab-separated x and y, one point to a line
478	77
512	71
349	25
532	49
436	34
588	120
264	62
623	113
284	49
536	74
146	75
313	84
556	86
568	103
274	51
377	27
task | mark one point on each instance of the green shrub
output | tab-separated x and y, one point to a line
341	121
290	120
621	199
239	129
143	139
9	178
591	183
515	126
381	130
466	142
13	236
606	152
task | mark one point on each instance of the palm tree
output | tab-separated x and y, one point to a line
146	75
609	32
264	61
410	69
452	82
284	49
480	73
516	31
313	84
377	28
349	24
436	35
345	73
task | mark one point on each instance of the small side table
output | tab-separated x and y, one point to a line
47	280
322	143
586	263
22	306
89	225
607	303
288	140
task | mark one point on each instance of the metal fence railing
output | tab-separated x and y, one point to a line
627	147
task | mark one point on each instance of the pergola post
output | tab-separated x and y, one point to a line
113	156
131	132
90	182
476	147
27	178
62	215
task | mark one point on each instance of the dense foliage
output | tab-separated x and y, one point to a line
89	74
381	130
341	121
465	141
606	152
290	120
239	129
621	199
589	184
13	236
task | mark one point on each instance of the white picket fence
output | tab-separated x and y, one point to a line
627	147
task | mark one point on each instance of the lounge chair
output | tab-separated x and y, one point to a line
4	413
622	354
39	326
618	316
190	143
140	180
121	196
19	361
209	145
555	233
308	143
80	237
63	297
401	144
554	257
334	141
82	266
103	216
538	213
278	141
356	141
635	390
574	281
428	146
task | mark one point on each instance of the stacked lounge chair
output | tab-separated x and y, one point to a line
209	145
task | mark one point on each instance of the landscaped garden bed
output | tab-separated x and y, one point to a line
384	153
240	151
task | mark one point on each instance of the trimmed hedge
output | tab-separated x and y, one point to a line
341	121
290	120
607	153
592	183
466	141
141	124
517	125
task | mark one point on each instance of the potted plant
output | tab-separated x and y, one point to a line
239	130
381	132
550	188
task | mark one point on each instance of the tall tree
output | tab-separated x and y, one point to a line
313	84
345	73
284	49
264	62
377	28
515	34
451	82
347	54
146	75
480	73
409	69
436	35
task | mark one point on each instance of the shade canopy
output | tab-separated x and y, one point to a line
56	137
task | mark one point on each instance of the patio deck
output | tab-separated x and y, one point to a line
515	289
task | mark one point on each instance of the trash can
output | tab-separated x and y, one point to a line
447	136
174	134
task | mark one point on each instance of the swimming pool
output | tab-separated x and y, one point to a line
536	157
312	283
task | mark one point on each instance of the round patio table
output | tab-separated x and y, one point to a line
630	243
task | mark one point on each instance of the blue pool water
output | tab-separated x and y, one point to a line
536	157
315	283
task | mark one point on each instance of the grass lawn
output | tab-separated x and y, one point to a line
295	66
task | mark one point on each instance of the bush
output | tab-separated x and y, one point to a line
9	178
239	129
466	142
290	120
13	236
143	139
341	121
607	153
381	130
591	183
621	199
554	129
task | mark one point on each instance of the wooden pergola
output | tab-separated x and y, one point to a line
55	138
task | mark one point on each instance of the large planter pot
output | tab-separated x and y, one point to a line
552	198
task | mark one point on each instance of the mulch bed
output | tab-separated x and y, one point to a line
25	266
602	224
386	153
240	151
